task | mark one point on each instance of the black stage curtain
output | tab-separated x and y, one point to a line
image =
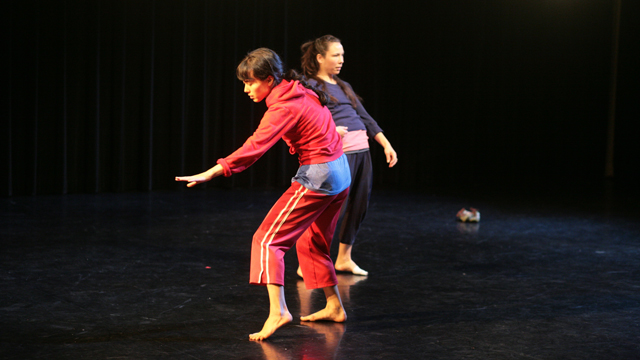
122	95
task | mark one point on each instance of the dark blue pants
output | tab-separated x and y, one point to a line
355	207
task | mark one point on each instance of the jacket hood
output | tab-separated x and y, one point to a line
286	91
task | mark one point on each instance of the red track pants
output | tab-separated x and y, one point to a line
303	216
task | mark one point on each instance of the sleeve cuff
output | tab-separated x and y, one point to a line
225	167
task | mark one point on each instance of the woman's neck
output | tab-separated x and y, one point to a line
327	78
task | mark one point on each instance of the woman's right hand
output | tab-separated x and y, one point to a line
342	130
203	177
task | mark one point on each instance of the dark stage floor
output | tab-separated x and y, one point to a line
544	275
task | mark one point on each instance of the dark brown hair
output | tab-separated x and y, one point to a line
310	65
262	63
265	62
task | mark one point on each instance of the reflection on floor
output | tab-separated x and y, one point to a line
545	275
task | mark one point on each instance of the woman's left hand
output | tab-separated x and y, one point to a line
392	157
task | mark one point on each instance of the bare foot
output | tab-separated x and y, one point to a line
273	323
351	267
330	313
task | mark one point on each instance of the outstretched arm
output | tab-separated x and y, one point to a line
392	157
194	180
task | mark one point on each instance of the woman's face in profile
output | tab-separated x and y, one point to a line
257	89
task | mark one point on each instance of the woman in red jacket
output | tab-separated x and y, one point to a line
307	213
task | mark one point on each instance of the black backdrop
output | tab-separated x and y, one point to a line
122	95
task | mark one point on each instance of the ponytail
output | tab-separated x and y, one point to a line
293	75
310	66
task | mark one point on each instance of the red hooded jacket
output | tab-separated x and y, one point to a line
294	114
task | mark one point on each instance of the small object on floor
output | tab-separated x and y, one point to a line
475	215
465	215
